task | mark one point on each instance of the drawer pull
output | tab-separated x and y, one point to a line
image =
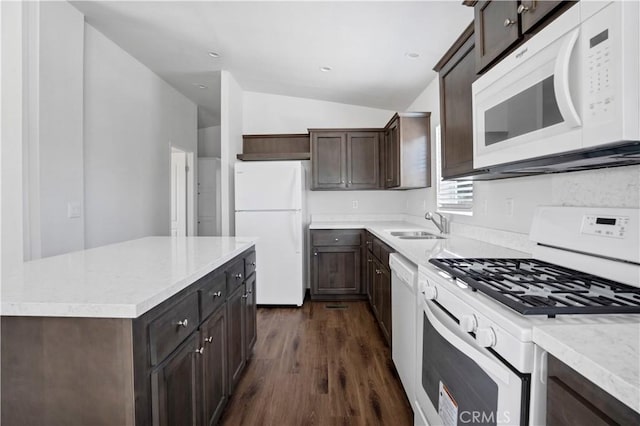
250	291
184	323
252	263
337	239
522	9
199	351
238	276
209	339
244	296
215	294
378	271
508	22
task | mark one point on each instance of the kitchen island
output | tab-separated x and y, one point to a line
142	332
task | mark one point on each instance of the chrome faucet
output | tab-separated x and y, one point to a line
443	226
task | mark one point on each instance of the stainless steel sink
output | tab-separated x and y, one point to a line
415	235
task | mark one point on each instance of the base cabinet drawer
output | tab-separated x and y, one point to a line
172	327
336	237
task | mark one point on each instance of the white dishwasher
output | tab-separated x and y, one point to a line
404	277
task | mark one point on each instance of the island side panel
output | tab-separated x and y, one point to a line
67	371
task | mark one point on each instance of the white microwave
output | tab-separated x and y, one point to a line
572	86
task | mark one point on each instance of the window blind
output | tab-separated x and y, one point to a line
452	196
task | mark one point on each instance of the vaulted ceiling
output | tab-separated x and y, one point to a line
280	47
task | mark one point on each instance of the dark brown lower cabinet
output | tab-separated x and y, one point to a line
383	284
174	384
574	400
236	335
251	331
215	386
336	270
378	283
370	276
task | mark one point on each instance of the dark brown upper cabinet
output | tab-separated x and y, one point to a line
346	159
456	72
533	12
501	26
392	154
363	160
407	151
497	29
329	159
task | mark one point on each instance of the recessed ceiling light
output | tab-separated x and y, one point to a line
412	55
325	69
214	54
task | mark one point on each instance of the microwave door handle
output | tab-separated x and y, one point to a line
486	363
561	80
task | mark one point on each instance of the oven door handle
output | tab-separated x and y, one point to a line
487	364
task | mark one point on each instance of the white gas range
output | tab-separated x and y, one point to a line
476	359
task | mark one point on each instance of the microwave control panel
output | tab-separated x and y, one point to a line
599	67
610	226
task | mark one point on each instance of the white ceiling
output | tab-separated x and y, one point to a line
279	47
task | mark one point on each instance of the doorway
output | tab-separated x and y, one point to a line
182	198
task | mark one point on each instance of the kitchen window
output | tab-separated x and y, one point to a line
452	196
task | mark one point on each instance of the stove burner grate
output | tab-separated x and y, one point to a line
534	287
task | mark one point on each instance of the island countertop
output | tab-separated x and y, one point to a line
122	280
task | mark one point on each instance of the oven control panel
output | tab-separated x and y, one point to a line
605	226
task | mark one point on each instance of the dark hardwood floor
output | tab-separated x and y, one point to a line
319	366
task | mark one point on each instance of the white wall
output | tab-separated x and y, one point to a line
209	142
266	113
60	119
11	126
619	187
132	118
231	119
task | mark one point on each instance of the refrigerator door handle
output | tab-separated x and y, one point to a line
295	232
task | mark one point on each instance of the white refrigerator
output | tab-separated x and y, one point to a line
269	203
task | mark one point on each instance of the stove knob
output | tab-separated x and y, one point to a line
486	337
468	323
430	293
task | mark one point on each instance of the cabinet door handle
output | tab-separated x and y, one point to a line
250	291
378	271
508	22
522	9
216	294
315	253
369	260
244	296
183	323
389	179
199	351
238	276
252	263
209	339
337	239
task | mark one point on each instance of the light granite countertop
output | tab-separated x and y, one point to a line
606	354
122	280
420	251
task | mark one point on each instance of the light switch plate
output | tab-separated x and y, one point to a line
73	210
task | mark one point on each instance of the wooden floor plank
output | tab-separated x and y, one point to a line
319	366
